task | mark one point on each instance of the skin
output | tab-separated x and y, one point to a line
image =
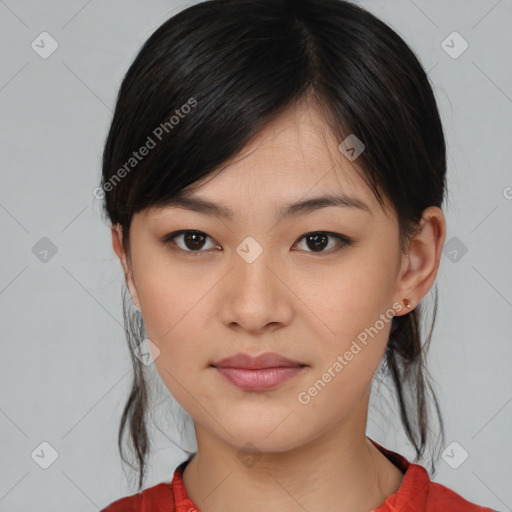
306	304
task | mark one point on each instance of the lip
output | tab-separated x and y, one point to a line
248	362
259	380
258	373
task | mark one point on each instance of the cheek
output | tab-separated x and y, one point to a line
177	317
167	293
352	319
351	297
167	304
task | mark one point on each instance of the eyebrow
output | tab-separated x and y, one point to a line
292	209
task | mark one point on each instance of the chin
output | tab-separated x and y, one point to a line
263	439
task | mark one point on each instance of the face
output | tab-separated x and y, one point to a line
318	286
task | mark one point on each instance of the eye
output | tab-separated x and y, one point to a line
318	240
193	241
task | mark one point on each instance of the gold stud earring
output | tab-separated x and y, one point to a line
407	303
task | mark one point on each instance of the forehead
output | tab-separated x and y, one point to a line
293	156
286	170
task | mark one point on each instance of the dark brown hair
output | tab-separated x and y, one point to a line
213	75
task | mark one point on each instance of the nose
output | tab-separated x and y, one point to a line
255	295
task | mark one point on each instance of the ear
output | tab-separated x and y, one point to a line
117	244
421	263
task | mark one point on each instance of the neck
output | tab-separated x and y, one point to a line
340	471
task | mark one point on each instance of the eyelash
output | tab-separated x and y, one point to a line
343	241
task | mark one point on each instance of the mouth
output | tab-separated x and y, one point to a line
260	373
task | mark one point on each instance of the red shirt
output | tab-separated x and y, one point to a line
417	493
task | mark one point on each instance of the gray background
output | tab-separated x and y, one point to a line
65	369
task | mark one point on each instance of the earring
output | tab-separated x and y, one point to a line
407	303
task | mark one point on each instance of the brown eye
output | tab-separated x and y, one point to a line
193	241
319	240
190	240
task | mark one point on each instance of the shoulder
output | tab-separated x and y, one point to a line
155	499
440	496
163	497
419	493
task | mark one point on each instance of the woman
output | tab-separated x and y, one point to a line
274	176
